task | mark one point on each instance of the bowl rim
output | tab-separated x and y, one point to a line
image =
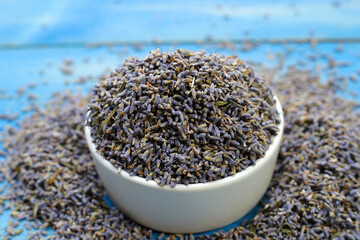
195	186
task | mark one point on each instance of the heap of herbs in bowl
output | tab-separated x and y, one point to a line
179	120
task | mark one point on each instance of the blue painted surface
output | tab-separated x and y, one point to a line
69	21
41	21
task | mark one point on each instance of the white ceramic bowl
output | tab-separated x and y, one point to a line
193	208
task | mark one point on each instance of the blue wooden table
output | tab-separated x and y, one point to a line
36	36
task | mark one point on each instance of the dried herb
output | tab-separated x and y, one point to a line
182	110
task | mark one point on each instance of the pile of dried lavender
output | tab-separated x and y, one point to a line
183	117
314	194
53	178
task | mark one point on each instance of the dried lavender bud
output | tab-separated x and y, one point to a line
182	110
